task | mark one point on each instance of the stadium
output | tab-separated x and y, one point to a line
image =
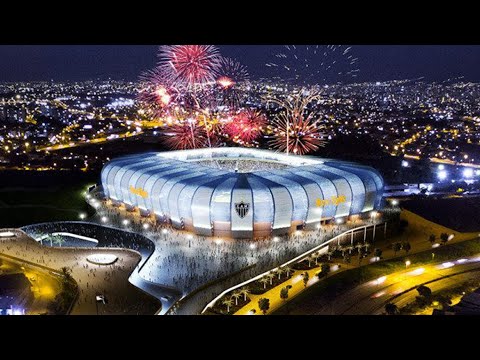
241	192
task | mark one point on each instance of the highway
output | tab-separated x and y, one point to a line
370	298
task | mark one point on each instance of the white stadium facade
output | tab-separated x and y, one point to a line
241	192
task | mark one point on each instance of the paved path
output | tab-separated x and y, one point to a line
110	280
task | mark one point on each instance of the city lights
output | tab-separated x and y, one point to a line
468	173
442	175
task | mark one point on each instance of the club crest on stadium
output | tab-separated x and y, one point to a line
242	208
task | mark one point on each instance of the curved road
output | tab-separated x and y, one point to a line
371	297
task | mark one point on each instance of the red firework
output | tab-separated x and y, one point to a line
246	127
188	135
189	65
157	92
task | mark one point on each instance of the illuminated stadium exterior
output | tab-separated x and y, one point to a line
240	192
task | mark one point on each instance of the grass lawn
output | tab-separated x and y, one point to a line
305	303
457	214
29	205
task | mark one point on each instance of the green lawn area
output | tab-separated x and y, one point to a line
304	304
23	206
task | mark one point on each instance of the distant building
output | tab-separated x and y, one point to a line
13	113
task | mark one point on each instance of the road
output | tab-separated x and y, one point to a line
99	140
370	297
443	161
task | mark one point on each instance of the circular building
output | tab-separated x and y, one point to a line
241	192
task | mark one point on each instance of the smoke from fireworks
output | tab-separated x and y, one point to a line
246	127
189	65
314	64
296	129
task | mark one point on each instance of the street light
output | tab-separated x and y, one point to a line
407	263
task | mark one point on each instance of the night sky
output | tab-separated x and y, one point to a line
376	62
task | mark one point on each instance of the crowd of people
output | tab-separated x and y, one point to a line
243	166
187	261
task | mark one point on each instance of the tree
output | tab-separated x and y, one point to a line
309	259
279	271
346	258
59	240
306	277
424	291
245	291
325	269
270	276
288	270
367	246
391	309
264	305
66	272
236	295
330	254
397	247
378	253
432	238
264	280
359	247
349	248
444	237
406	246
284	294
227	302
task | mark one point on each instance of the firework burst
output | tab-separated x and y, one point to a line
231	73
157	93
189	65
314	64
246	127
296	128
186	135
